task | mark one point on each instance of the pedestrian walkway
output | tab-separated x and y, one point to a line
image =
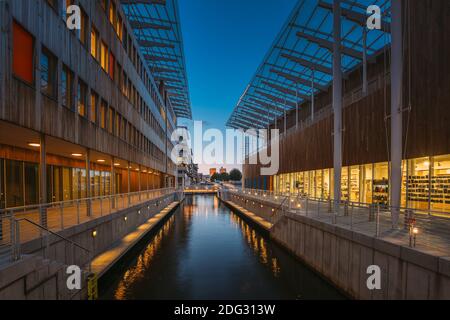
433	231
67	214
103	262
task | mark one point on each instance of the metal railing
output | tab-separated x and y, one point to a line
46	251
420	227
58	216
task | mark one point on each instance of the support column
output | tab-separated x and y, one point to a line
365	85
296	106
88	183
312	95
43	181
396	109
337	103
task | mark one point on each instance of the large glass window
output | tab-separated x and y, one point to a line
326	184
103	114
319	184
354	188
344	184
14	183
48	73
381	184
83	31
440	184
31	183
2	184
67	183
419	183
23	52
366	183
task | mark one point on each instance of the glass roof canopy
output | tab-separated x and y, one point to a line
301	56
156	26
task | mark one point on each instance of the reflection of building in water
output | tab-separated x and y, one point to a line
136	273
257	243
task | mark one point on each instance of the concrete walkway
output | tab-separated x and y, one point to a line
257	219
103	262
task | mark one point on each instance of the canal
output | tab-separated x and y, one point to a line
205	251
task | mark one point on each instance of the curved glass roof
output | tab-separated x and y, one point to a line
301	56
157	28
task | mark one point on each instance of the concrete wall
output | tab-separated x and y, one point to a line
47	276
35	278
342	256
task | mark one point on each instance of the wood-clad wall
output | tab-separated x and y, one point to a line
366	136
24	105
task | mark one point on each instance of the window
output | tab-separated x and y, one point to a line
93	114
94	43
103	111
112	14
82	32
48	73
104	56
66	87
81	93
112	65
119	27
23	49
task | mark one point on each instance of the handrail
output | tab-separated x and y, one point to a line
59	203
54	233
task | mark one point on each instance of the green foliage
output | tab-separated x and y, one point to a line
235	175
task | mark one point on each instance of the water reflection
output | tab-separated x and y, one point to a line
205	251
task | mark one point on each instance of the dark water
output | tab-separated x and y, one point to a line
205	251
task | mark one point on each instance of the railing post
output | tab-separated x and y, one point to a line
17	252
101	207
78	211
306	206
351	216
346	208
61	211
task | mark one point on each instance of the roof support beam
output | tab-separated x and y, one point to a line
135	24
148	43
282	101
297	79
160	2
265	104
308	64
329	45
252	117
258	108
286	90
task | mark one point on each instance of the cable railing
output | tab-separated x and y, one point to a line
424	227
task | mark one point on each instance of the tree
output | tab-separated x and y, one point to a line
224	177
235	175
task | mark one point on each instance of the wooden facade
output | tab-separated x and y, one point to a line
366	136
24	105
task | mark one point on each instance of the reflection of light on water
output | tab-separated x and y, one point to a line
257	243
137	272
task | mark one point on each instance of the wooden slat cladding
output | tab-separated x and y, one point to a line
366	136
24	105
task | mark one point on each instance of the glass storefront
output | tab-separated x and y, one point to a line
425	183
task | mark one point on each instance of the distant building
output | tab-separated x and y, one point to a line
212	171
223	170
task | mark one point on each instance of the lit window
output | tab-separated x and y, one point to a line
93	114
112	14
112	64
23	51
82	89
94	43
82	32
111	120
104	56
103	111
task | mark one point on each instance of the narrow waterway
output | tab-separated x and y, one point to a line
205	251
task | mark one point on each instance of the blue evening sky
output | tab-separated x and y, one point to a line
224	43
